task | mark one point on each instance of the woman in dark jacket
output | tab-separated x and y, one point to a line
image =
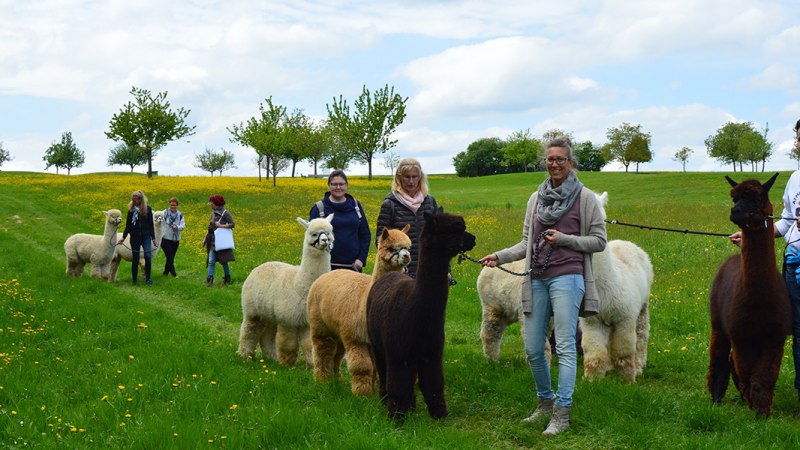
139	225
220	218
406	204
350	225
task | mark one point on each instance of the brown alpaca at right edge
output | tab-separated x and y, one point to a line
750	311
405	319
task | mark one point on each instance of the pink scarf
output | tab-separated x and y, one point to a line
413	203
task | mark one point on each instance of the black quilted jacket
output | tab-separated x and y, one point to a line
394	214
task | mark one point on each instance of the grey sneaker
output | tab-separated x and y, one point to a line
543	409
559	421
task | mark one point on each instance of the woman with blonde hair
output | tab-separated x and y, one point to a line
406	204
139	225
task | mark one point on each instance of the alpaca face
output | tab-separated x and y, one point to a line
394	248
448	232
113	217
751	206
319	233
158	217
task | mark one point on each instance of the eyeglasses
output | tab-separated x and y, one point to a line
337	185
559	160
410	177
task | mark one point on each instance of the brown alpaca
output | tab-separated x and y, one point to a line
750	312
337	313
405	319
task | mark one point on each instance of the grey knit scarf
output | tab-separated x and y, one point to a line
553	203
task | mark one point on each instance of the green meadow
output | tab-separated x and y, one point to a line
90	364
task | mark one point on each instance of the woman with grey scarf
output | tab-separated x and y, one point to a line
563	226
139	225
174	223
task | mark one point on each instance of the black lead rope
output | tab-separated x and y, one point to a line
675	230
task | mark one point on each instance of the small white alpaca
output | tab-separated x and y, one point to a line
94	249
501	305
123	251
617	337
274	298
337	313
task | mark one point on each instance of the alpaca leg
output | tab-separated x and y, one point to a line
114	266
596	360
287	344
249	333
622	349
359	364
400	388
431	383
642	338
324	350
267	341
381	369
763	380
95	270
304	338
492	329
719	367
74	268
337	359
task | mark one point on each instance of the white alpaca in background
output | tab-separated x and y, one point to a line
617	337
123	251
274	298
94	249
501	304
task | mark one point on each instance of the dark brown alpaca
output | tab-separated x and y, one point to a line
750	314
405	319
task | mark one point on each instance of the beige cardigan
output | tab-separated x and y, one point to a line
591	240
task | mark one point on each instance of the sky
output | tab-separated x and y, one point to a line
470	69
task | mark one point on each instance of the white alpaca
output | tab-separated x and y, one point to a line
337	313
94	249
123	251
623	275
616	338
274	298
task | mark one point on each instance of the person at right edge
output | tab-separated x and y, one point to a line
563	226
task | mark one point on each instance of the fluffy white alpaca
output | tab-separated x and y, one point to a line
123	251
501	304
94	249
616	338
274	298
337	313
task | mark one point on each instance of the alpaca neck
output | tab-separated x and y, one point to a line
380	270
159	229
110	234
315	262
758	259
601	264
431	282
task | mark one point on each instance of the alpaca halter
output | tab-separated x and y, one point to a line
319	236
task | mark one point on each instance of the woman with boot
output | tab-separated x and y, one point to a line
139	225
563	226
220	218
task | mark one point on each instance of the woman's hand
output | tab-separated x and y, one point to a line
551	236
358	265
220	224
119	242
155	244
490	260
736	238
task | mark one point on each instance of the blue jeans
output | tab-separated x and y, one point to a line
212	260
560	297
794	298
146	244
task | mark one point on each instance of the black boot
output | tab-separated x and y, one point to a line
210	281
227	279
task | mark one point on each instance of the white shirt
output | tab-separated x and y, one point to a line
791	208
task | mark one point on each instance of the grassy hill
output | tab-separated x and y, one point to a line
85	363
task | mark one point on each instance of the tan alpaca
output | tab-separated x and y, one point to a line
337	313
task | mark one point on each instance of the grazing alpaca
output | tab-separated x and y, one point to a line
750	312
274	298
337	313
91	248
405	319
123	251
616	337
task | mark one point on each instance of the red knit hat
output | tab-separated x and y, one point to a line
217	200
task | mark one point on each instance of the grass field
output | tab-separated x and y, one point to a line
84	363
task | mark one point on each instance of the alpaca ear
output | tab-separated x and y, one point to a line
106	213
440	210
603	198
406	228
732	183
429	218
329	218
384	235
302	222
770	182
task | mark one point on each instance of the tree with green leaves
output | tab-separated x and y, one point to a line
338	155
265	134
124	155
739	142
64	154
148	123
588	157
795	153
627	144
482	157
682	155
211	161
317	144
521	151
298	132
366	131
5	155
